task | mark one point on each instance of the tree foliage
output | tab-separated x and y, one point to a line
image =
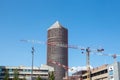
24	78
16	75
51	76
39	78
6	75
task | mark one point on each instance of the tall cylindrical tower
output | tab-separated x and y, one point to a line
57	34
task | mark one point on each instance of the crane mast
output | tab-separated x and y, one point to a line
87	51
88	63
33	50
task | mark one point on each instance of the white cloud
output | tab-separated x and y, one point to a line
79	68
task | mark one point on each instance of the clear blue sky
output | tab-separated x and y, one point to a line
91	23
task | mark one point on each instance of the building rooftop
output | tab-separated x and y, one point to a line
43	66
56	25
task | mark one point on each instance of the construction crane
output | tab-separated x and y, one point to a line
63	66
114	56
33	50
66	69
52	44
87	51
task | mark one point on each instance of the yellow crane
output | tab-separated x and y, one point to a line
88	63
87	51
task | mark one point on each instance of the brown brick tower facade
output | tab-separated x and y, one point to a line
57	35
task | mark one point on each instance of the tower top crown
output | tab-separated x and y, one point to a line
56	25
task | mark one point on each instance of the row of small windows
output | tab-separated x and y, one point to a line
24	70
11	70
10	75
96	74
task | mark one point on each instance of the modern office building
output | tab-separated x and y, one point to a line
57	50
25	72
104	72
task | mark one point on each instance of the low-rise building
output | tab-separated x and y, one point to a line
25	72
104	72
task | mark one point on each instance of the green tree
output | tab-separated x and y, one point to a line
24	78
6	75
16	75
39	78
51	76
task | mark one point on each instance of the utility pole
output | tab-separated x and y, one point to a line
33	50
